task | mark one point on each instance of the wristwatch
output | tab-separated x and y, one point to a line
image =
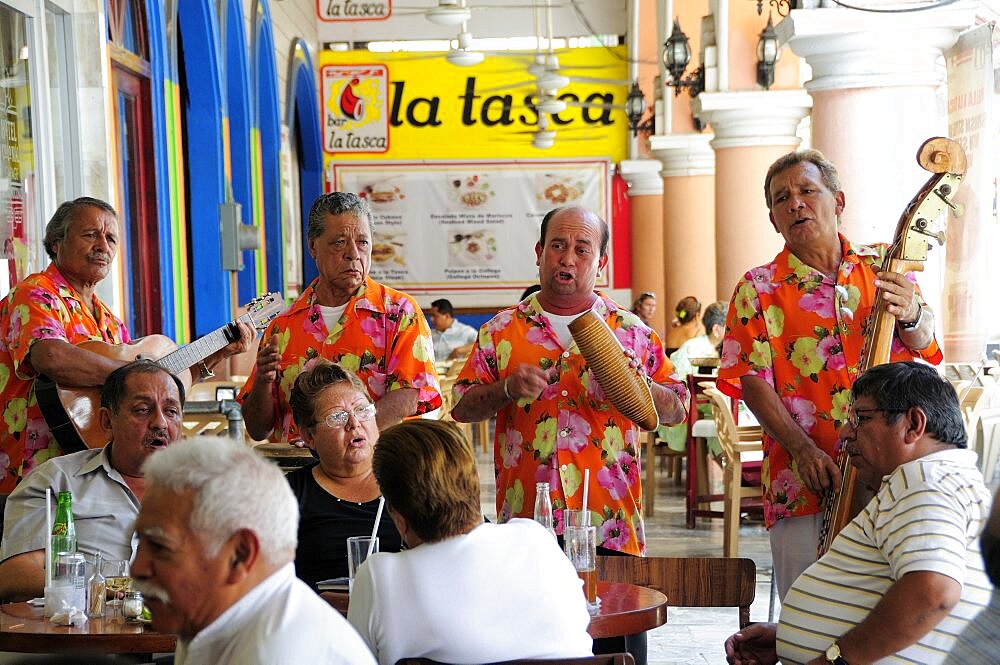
910	325
833	655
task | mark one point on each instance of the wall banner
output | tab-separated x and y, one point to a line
467	226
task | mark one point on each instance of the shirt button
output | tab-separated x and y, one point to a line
565	392
565	354
563	467
564	432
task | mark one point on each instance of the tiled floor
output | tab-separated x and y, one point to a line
691	636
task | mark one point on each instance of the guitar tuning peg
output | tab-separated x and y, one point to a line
939	236
958	209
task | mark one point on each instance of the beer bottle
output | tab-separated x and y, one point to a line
543	507
63	530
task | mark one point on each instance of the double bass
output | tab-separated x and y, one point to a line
919	222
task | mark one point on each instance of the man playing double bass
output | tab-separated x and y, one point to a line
46	315
793	346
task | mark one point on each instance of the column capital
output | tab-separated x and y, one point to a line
684	154
753	118
642	176
850	49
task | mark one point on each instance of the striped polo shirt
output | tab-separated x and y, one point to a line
926	516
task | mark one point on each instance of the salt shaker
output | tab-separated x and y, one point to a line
132	605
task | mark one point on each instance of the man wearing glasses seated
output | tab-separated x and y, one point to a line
905	576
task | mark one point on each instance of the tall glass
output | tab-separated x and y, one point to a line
118	583
357	552
581	548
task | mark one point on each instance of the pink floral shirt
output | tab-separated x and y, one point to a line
802	333
571	426
41	306
382	337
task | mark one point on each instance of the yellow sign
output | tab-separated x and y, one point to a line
433	110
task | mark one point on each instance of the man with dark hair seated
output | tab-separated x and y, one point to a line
905	576
141	412
452	338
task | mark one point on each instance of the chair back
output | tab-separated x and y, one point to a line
688	581
603	659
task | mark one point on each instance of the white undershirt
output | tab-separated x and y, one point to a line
560	324
332	314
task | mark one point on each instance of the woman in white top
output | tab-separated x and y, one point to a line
466	591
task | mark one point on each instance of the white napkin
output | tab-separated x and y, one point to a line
69	617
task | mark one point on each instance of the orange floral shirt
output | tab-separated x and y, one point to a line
41	306
382	337
803	334
571	426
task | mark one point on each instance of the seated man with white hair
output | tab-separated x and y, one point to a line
217	535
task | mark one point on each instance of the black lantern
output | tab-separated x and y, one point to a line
635	108
676	56
781	5
767	54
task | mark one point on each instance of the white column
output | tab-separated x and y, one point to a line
642	176
688	216
877	96
752	129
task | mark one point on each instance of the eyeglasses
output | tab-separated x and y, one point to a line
338	419
854	418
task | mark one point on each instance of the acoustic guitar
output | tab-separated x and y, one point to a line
946	160
72	413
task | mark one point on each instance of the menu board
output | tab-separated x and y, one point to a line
467	226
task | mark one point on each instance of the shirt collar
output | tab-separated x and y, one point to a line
65	289
370	296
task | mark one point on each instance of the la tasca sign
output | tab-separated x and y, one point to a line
417	106
353	10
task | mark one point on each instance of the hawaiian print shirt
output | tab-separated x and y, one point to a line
571	426
382	337
796	329
42	306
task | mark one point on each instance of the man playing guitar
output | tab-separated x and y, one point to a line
46	315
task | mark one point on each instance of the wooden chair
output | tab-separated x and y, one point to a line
688	582
604	659
735	442
653	447
697	493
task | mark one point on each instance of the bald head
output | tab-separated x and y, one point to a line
581	213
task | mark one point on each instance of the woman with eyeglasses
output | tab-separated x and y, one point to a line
338	496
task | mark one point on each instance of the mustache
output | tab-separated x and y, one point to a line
103	256
152	591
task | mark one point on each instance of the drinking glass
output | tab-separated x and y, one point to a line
581	548
118	583
576	518
357	552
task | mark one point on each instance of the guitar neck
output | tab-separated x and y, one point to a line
193	353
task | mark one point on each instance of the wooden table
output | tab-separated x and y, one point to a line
23	629
626	609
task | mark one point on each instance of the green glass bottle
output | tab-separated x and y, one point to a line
64	529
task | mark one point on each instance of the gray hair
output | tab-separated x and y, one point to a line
336	203
234	488
827	171
715	315
58	226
